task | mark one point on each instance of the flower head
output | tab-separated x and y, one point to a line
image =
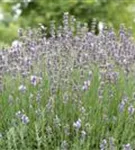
77	124
35	80
22	88
25	119
127	147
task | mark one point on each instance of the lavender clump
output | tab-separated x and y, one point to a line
23	55
50	75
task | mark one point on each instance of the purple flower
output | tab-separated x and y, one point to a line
131	110
35	80
25	119
22	117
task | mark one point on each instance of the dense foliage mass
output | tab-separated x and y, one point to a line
71	91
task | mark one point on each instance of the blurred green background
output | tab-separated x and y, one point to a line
25	13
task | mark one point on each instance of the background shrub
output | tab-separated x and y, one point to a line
32	12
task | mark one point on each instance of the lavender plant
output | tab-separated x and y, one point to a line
72	90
